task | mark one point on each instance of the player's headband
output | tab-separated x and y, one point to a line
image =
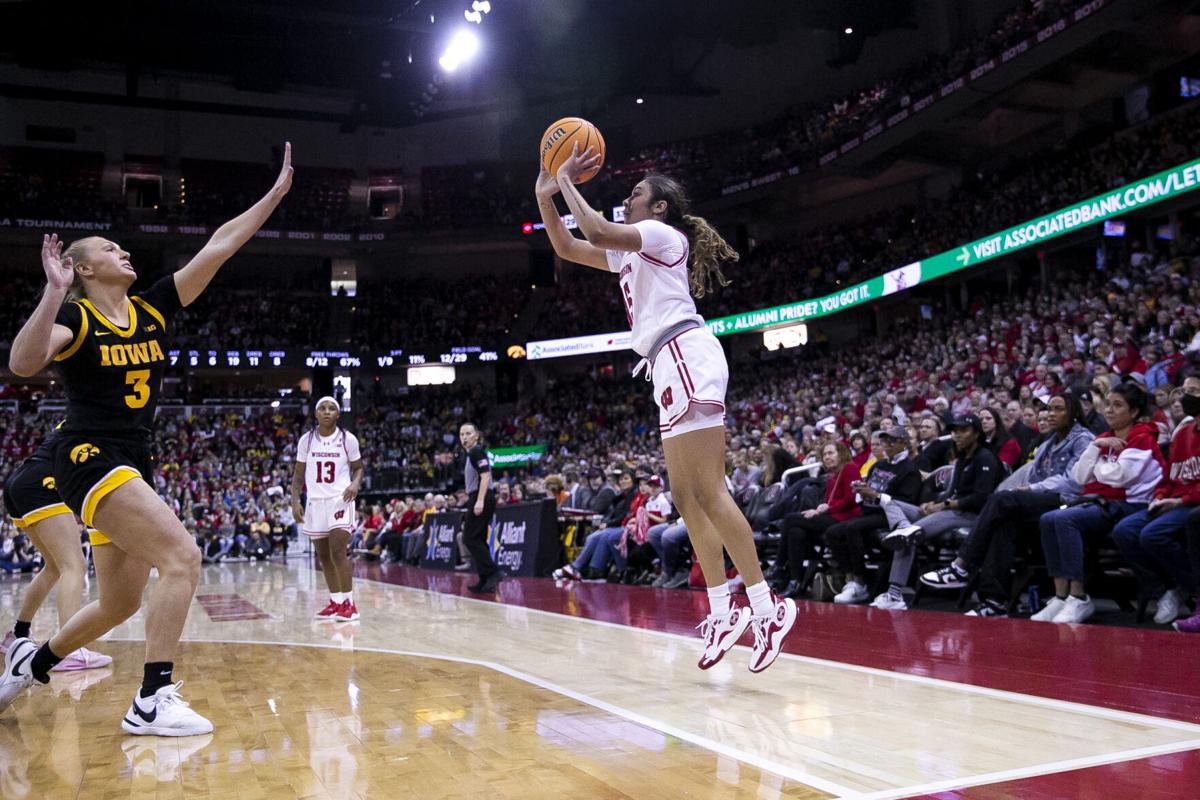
330	399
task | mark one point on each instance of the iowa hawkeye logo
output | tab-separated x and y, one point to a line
48	483
82	452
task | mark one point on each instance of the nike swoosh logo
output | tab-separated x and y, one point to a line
103	333
147	718
17	666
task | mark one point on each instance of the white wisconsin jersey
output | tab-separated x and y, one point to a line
327	462
654	283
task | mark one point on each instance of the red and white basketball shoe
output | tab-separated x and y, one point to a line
721	633
346	612
330	611
769	632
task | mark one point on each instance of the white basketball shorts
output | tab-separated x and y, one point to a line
323	516
690	376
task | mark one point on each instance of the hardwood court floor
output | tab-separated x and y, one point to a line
326	723
593	706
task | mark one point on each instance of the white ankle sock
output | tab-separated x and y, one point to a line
337	597
760	599
349	596
718	600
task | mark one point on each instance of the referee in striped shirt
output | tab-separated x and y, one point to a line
481	505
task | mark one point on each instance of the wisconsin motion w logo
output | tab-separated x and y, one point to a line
82	452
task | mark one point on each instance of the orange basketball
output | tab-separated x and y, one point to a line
558	139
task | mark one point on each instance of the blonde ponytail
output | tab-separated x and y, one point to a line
76	251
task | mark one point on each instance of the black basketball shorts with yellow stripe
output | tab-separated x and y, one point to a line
30	494
88	468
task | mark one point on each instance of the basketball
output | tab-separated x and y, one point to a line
561	135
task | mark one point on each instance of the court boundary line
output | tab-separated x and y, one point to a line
1034	771
822	784
1112	714
765	765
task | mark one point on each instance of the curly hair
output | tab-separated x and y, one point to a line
708	249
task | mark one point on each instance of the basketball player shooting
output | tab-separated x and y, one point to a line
663	255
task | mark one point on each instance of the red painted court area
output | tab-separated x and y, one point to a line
1142	671
229	608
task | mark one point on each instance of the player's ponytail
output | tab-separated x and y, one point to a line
76	251
708	250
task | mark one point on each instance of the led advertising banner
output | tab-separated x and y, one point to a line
579	345
505	457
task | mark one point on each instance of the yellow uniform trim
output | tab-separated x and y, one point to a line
124	334
39	514
97	538
103	488
152	311
79	337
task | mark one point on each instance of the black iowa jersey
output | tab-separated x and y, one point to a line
113	374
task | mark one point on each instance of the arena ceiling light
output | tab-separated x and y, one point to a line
462	48
478	9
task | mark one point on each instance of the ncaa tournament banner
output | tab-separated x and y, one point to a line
524	538
441	548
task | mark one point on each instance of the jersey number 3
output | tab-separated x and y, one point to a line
325	472
139	379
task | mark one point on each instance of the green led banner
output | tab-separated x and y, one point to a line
505	457
1156	188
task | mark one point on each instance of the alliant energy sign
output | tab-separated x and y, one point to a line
1156	188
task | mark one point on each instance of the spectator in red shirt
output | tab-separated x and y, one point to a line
804	530
1152	540
997	438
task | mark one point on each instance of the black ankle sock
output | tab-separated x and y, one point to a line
156	675
22	629
43	660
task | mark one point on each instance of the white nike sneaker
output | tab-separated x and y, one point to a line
17	671
164	714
